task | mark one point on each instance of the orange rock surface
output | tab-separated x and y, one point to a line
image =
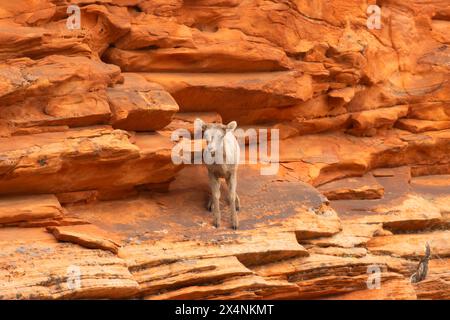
88	188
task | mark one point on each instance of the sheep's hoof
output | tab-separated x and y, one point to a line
216	225
235	227
238	207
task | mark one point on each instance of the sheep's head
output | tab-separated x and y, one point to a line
214	133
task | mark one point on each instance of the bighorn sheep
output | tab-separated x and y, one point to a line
222	159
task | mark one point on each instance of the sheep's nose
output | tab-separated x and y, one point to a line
211	150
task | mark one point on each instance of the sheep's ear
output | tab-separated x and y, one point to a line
232	125
200	123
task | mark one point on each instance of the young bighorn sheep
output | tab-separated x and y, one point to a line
222	159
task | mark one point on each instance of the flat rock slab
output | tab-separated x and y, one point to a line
62	221
411	212
234	95
173	251
352	236
439	184
187	272
33	265
313	266
435	189
87	236
402	208
339	282
437	283
417	126
267	204
251	249
330	156
236	288
395	289
325	275
338	251
366	187
167	268
106	158
412	246
395	182
138	105
19	209
55	89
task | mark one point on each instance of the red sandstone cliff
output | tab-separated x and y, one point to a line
87	180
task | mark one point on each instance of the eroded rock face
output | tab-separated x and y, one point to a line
25	249
87	179
25	208
55	90
138	105
102	155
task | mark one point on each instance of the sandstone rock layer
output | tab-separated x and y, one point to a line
92	204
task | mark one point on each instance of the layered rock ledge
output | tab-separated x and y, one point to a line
92	205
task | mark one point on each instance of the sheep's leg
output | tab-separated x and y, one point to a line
232	198
238	201
209	204
215	195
